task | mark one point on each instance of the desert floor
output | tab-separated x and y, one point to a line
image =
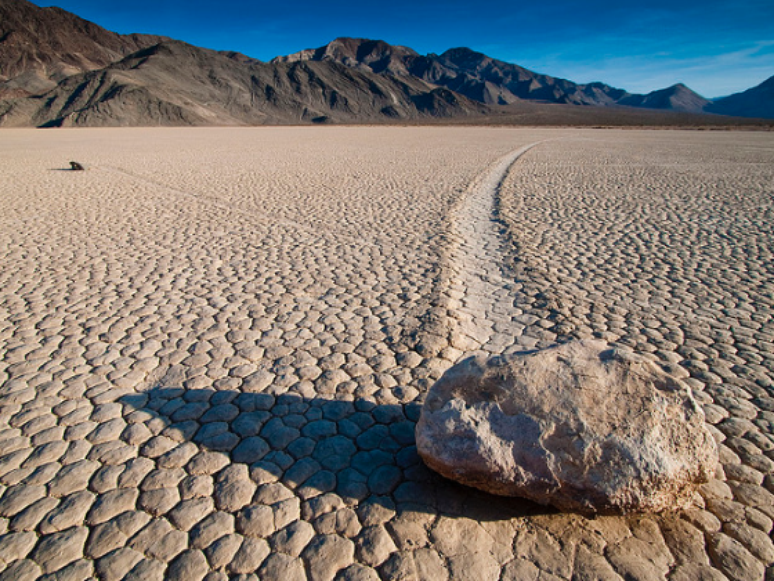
214	343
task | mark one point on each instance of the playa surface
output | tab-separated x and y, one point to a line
214	343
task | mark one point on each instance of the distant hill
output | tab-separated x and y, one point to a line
755	102
675	98
57	69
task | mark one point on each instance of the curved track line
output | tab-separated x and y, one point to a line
481	288
213	202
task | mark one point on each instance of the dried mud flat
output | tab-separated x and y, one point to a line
214	343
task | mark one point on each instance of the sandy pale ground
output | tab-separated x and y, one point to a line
214	343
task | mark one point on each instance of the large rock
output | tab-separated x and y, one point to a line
580	426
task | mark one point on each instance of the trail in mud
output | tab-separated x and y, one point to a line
484	293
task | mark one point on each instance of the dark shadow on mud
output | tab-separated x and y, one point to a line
361	451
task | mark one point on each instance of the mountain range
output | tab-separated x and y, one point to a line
57	69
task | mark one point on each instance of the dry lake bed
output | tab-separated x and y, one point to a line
215	343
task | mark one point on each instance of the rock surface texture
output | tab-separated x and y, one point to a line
580	426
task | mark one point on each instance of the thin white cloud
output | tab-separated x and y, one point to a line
711	75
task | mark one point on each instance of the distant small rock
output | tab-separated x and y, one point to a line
579	426
75	166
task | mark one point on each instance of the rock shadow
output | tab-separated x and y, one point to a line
74	166
361	451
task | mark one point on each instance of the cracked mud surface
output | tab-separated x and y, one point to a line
214	344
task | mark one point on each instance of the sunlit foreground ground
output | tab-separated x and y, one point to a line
215	343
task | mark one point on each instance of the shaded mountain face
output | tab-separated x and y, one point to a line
41	46
755	102
173	83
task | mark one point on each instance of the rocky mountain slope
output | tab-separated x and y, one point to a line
41	46
462	70
173	83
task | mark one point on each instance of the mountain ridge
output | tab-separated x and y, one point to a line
174	83
57	69
492	81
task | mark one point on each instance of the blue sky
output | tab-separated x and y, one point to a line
716	47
